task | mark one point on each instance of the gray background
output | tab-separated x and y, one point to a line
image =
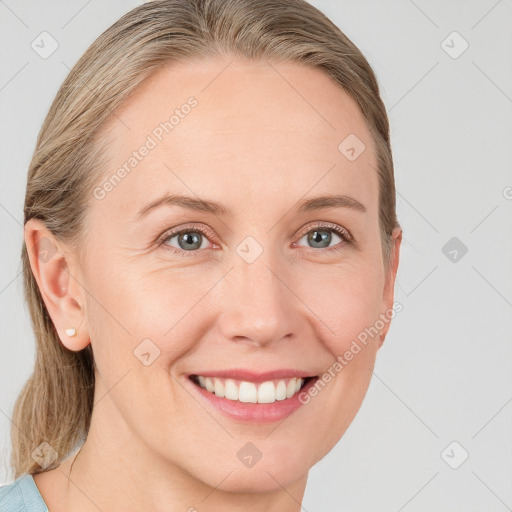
444	373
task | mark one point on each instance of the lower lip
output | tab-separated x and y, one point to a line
250	412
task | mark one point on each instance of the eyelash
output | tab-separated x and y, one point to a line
346	237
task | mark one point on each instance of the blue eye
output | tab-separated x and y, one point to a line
191	239
321	236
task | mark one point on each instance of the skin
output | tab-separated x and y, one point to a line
257	147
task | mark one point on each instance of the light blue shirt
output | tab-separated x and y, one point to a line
22	496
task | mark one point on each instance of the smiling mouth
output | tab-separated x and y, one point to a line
250	392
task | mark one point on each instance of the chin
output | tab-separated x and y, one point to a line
263	479
273	471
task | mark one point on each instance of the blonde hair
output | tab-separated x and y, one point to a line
55	405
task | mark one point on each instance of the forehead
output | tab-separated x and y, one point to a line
220	128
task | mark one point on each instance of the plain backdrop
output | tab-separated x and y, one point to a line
435	429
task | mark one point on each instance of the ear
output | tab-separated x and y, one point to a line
389	285
53	268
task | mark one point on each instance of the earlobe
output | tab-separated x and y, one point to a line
50	266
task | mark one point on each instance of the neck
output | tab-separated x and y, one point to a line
116	471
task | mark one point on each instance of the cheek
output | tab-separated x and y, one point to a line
139	327
347	299
135	311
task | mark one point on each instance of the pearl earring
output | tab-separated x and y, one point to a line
72	331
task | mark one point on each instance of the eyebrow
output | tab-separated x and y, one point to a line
335	201
202	205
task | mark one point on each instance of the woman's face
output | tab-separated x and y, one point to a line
261	286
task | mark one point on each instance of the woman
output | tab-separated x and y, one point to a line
210	253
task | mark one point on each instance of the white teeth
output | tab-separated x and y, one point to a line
290	389
219	387
231	390
208	384
247	392
281	389
265	393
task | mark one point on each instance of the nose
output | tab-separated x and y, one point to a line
258	305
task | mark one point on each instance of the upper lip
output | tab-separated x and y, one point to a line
252	376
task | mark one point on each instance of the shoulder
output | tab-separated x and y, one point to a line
22	496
